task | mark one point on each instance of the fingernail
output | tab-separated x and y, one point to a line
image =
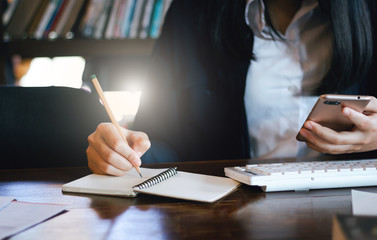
346	111
139	154
308	125
303	132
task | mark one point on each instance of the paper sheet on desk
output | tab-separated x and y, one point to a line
5	200
364	203
18	216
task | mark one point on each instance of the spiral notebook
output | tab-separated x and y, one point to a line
162	182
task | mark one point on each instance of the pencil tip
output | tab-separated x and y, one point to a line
140	175
93	76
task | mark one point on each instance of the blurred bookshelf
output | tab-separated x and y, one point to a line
87	28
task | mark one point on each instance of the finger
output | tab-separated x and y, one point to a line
328	145
320	145
139	142
116	143
314	130
106	153
330	136
360	120
332	149
99	166
372	105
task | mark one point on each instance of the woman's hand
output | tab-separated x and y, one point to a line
363	136
108	153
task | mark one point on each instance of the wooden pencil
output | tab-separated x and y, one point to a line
109	112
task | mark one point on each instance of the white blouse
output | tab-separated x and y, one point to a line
281	81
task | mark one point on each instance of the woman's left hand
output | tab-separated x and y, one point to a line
362	138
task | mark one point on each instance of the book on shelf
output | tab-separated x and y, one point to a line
97	19
71	27
118	19
65	14
135	23
127	18
135	19
158	10
48	14
36	19
167	5
8	11
102	20
24	11
146	19
111	20
55	19
73	23
92	14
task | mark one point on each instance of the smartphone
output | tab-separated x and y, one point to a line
328	111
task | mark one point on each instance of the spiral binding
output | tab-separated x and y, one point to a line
157	179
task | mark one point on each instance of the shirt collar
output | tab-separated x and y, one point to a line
255	17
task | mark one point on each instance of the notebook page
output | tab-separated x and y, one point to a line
110	185
192	186
5	200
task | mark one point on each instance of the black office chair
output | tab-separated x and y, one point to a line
46	126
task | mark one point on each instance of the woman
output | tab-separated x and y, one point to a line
222	87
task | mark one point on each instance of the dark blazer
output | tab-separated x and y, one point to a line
193	108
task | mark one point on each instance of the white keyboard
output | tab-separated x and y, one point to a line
307	175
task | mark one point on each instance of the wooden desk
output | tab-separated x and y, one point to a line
247	213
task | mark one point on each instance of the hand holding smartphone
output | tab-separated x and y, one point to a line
328	111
